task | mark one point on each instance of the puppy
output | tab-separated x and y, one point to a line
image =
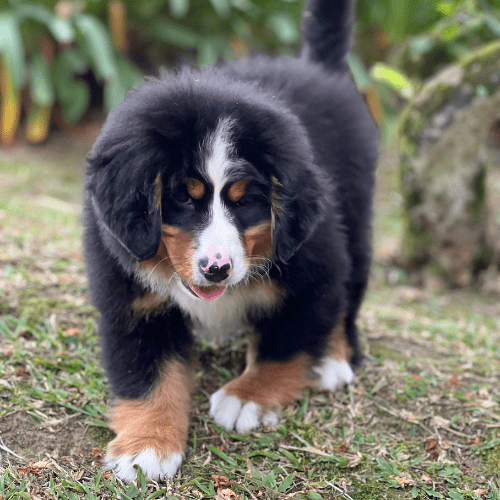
229	199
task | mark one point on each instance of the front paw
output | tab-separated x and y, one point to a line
154	466
256	396
333	374
232	412
152	432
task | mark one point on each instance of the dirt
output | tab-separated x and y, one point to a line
61	436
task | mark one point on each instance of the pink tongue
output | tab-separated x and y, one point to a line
208	292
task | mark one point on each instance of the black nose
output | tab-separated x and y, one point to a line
214	273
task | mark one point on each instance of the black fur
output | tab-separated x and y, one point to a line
300	121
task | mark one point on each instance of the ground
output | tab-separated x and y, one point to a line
422	419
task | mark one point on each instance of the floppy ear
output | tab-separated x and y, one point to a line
298	207
124	196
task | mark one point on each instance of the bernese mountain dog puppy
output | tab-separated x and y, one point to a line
226	200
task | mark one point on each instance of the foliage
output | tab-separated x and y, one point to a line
415	38
56	51
206	31
47	51
51	49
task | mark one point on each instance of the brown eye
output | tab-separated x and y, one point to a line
195	188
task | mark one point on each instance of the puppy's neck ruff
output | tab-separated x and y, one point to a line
223	319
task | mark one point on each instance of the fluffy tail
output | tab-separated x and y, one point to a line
327	28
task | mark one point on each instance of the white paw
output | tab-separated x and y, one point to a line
334	374
233	413
151	465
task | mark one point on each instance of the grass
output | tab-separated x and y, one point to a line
422	419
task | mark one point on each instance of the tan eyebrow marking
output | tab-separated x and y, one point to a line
237	190
196	188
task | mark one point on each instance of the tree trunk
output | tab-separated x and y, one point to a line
450	175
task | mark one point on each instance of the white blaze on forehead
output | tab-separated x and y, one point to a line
221	235
218	162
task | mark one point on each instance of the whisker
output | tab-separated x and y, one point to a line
171	277
156	265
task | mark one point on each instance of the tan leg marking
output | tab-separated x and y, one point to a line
273	384
160	421
338	345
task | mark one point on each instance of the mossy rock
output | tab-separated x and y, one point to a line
449	137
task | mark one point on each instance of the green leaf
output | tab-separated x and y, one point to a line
313	495
418	460
208	51
247	6
446	8
290	456
269	480
451	32
62	30
222	8
141	481
415	492
73	95
422	44
179	8
11	46
41	88
399	15
284	27
286	483
98	46
222	455
210	490
114	92
131	490
264	453
173	33
359	72
128	76
454	495
75	60
157	494
492	23
382	72
432	493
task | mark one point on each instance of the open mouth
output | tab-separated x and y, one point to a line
211	292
